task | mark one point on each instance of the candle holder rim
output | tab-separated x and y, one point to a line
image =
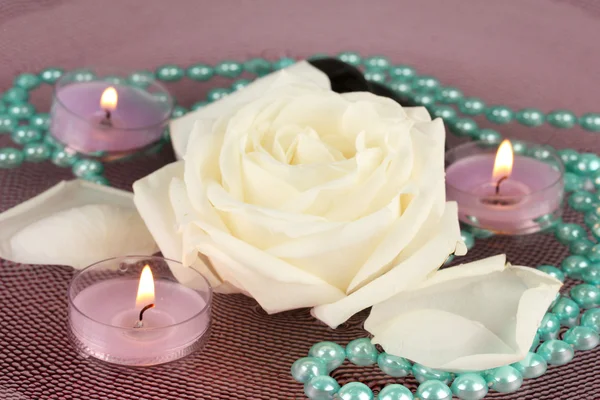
203	310
475	143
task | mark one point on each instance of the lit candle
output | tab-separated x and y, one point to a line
502	192
137	321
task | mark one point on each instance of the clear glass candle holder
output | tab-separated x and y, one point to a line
132	117
104	317
528	200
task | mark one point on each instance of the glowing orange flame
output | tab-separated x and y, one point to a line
145	293
504	161
109	99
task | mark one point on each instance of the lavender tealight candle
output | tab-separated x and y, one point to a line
94	112
502	192
134	311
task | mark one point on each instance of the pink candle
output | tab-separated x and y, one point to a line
527	198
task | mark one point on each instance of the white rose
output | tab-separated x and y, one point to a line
304	197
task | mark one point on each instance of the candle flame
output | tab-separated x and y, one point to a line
504	161
109	99
145	293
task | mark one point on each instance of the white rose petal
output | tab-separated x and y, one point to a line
466	318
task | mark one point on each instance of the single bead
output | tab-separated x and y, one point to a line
395	392
169	73
306	368
535	343
532	366
586	295
469	386
464	127
393	365
375	76
21	111
423	99
83	75
541	152
573	182
568	232
283	62
141	79
240	84
361	352
489	136
519	147
200	72
63	158
178	111
402	72
10	157
581	201
594	253
530	117
449	95
592	274
505	379
376	63
26	134
574	266
27	81
198	105
331	353
552	271
87	167
321	387
37	152
568	156
162	97
566	310
472	106
499	114
40	121
591	319
580	246
587	165
7	123
51	75
549	327
547	221
114	80
561	119
355	391
423	373
591	218
216	94
582	338
15	95
468	238
590	122
556	352
402	88
433	390
425	83
350	57
97	179
229	69
447	113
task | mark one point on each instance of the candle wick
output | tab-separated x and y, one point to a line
499	182
140	323
106	121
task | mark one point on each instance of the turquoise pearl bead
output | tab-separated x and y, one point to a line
169	73
198	105
425	83
566	310
52	141
141	79
393	365
596	230
472	106
217	93
449	95
568	232
27	81
283	62
591	218
594	253
541	152
229	69
395	392
40	121
499	114
424	99
574	266
97	179
361	352
63	158
535	343
582	338
257	66
556	352
469	386
83	75
590	318
573	182
51	75
505	379
26	134
587	165
580	246
114	80
549	327
178	111
402	72
200	72
464	127
590	122
240	84
434	390
355	391
467	238
489	136
10	157
331	353
37	152
581	201
403	88
321	387
552	271
519	147
21	111
568	156
592	274
423	373
350	58
377	63
15	95
586	295
447	113
530	117
562	119
306	368
532	366
87	167
375	76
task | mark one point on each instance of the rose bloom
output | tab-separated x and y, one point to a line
303	197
